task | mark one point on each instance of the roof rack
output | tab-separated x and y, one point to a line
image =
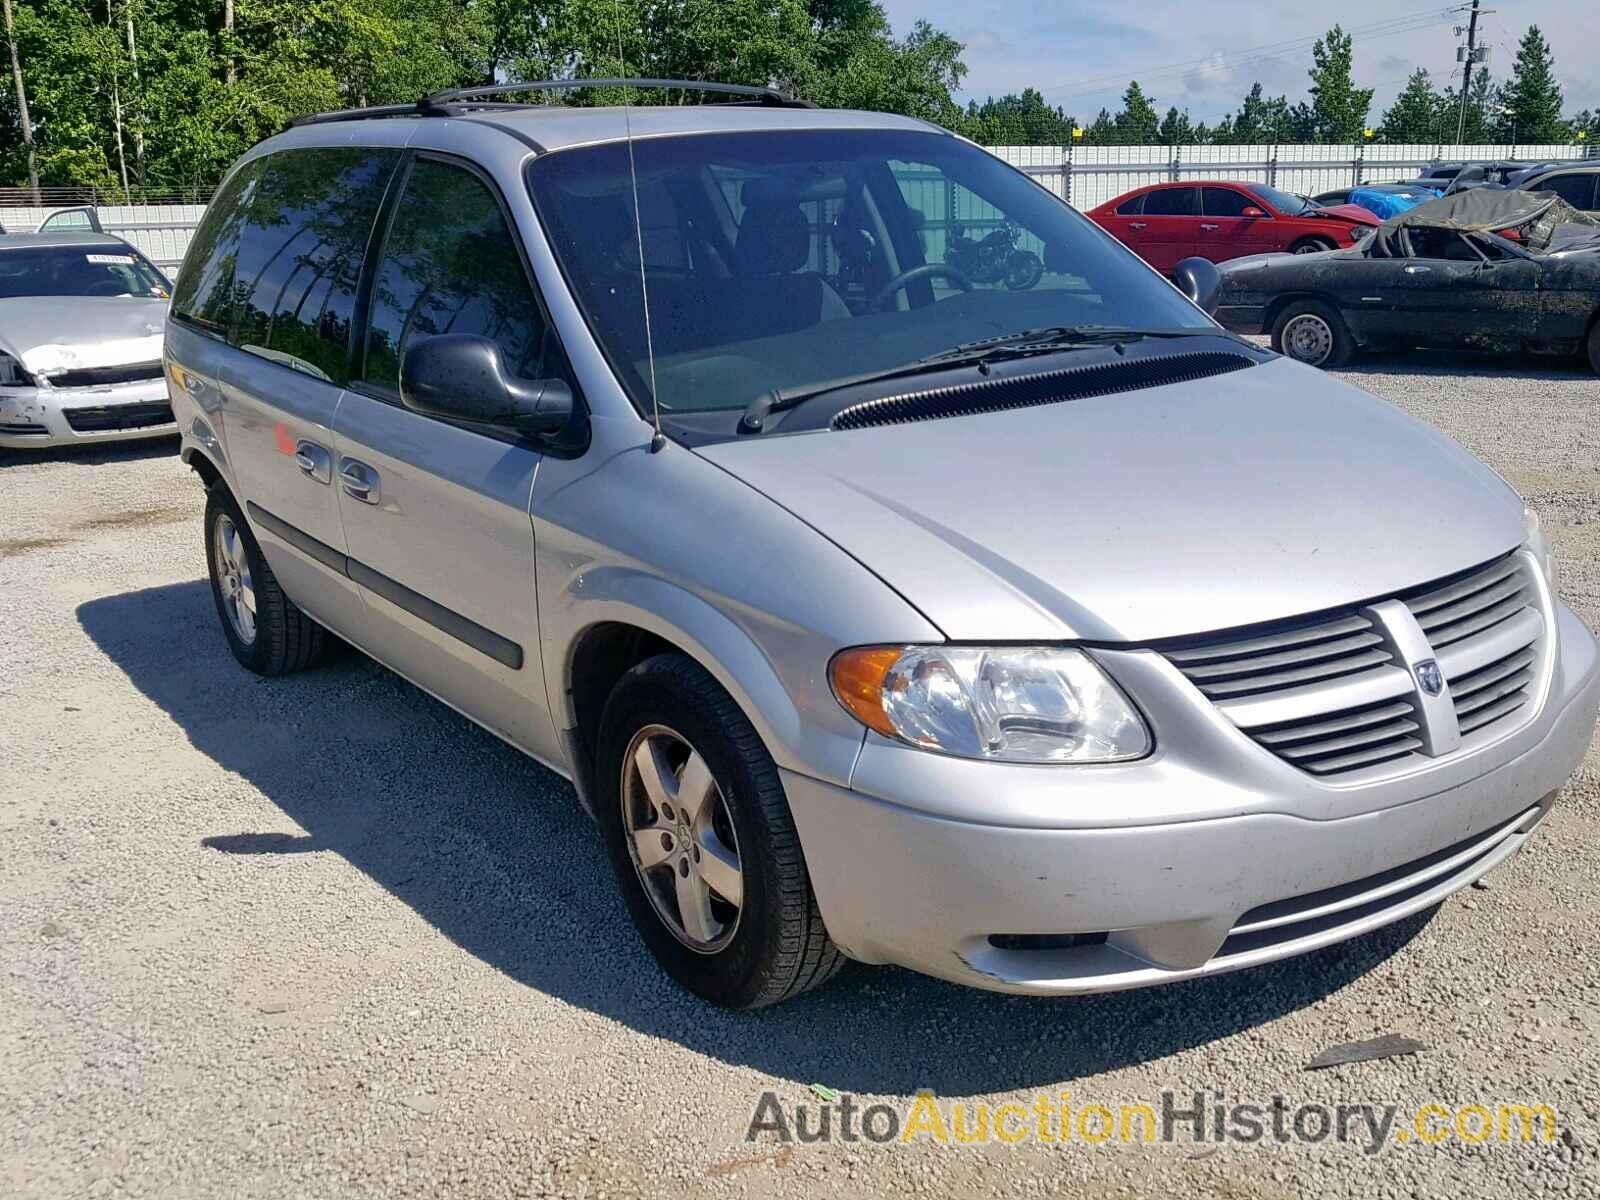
454	101
764	95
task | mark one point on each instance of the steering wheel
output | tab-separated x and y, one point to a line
916	274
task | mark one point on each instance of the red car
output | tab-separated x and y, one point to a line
1216	219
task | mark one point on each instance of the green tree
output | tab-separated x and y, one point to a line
172	91
1532	98
1176	129
1417	114
1338	107
1017	120
1137	124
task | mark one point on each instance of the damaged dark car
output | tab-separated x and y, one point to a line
1479	270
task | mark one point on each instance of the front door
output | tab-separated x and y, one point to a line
1448	293
437	514
1225	231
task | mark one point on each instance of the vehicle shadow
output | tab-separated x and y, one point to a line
1458	363
93	454
492	850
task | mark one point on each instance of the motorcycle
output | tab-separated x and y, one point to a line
995	258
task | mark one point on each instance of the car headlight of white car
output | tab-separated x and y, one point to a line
1024	704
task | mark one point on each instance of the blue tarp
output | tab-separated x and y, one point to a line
1388	204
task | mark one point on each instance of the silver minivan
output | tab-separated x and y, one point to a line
882	600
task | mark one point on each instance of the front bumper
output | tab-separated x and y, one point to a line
38	418
1238	872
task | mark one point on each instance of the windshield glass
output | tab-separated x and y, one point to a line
1289	206
78	271
777	261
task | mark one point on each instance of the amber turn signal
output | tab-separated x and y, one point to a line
857	677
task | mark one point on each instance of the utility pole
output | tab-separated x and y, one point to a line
1466	70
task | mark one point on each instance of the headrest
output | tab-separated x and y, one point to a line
774	236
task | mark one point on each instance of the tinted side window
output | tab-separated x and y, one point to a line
204	290
1172	202
1131	208
1576	190
1224	202
451	265
306	221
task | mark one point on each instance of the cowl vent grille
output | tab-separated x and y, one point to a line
1045	387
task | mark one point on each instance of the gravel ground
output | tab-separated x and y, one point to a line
322	937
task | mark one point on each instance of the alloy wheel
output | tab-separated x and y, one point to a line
234	579
681	838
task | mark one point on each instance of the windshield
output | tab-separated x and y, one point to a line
1283	202
78	271
777	261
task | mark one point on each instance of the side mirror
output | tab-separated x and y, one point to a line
462	377
1199	279
1252	211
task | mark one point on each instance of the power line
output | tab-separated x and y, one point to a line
1255	55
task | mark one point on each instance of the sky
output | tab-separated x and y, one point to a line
1202	54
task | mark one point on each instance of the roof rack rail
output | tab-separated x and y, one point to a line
453	101
765	95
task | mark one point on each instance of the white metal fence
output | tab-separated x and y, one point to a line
161	232
1084	176
1088	176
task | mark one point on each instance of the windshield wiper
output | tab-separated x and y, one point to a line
1025	343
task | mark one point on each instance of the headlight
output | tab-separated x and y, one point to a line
1533	538
12	373
1033	704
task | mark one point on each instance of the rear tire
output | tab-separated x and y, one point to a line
1311	245
669	717
1311	332
1594	347
265	631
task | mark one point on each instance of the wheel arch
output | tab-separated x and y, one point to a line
1277	304
629	616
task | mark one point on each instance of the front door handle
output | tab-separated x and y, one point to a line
360	482
1414	269
1136	224
314	460
1203	225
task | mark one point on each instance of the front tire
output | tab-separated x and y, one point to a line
1311	245
1024	269
1594	347
702	841
265	631
1313	333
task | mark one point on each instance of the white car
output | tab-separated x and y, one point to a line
82	316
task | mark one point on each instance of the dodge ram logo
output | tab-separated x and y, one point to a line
1429	676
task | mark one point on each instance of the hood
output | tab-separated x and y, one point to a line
1353	213
55	333
1266	493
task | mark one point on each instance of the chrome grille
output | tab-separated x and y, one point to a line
1282	659
1342	741
1470	605
1484	696
1330	695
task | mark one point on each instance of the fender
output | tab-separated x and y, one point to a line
822	744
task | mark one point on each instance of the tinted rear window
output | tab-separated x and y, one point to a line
1172	202
280	269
